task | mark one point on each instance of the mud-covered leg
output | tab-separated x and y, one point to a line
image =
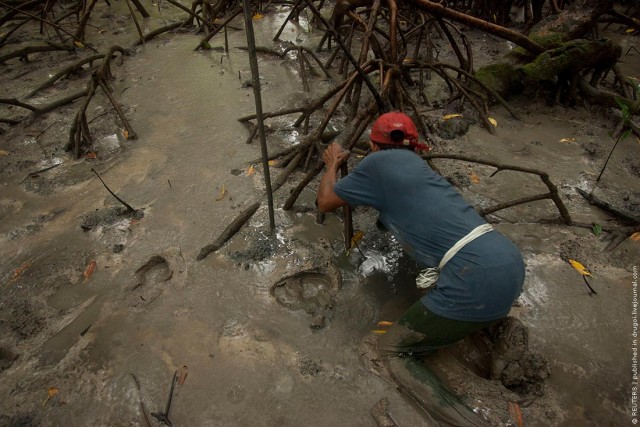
419	332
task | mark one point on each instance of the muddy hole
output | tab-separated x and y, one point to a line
6	358
501	353
310	291
155	271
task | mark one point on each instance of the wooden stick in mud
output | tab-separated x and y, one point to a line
347	214
229	232
129	208
255	74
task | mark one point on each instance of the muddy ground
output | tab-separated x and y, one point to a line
99	307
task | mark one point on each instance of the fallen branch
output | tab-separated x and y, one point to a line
552	194
229	232
609	208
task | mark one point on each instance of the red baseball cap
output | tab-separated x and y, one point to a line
396	128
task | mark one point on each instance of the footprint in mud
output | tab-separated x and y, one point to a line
312	291
7	358
150	278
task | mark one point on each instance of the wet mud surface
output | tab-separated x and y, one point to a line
272	325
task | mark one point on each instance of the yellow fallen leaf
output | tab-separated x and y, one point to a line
251	170
221	194
474	178
579	267
635	236
3	153
357	236
51	392
272	163
451	116
493	121
125	133
89	270
516	413
379	331
18	271
568	140
182	376
384	323
495	18
407	60
78	44
258	16
630	30
638	139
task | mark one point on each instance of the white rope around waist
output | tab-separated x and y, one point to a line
429	276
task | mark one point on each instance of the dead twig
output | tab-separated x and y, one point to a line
129	208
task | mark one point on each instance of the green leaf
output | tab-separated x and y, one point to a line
624	108
596	229
626	134
206	45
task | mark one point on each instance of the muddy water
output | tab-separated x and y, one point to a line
251	360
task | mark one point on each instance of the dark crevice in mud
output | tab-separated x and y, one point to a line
7	358
109	216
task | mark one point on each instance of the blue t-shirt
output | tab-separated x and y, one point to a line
428	216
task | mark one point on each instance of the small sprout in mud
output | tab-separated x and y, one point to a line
635	236
51	392
451	116
474	178
493	121
89	270
379	331
596	229
568	140
251	170
223	191
384	323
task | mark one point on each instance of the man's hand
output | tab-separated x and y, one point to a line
335	155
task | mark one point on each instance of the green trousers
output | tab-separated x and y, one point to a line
419	332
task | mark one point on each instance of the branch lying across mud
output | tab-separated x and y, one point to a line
229	232
552	194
